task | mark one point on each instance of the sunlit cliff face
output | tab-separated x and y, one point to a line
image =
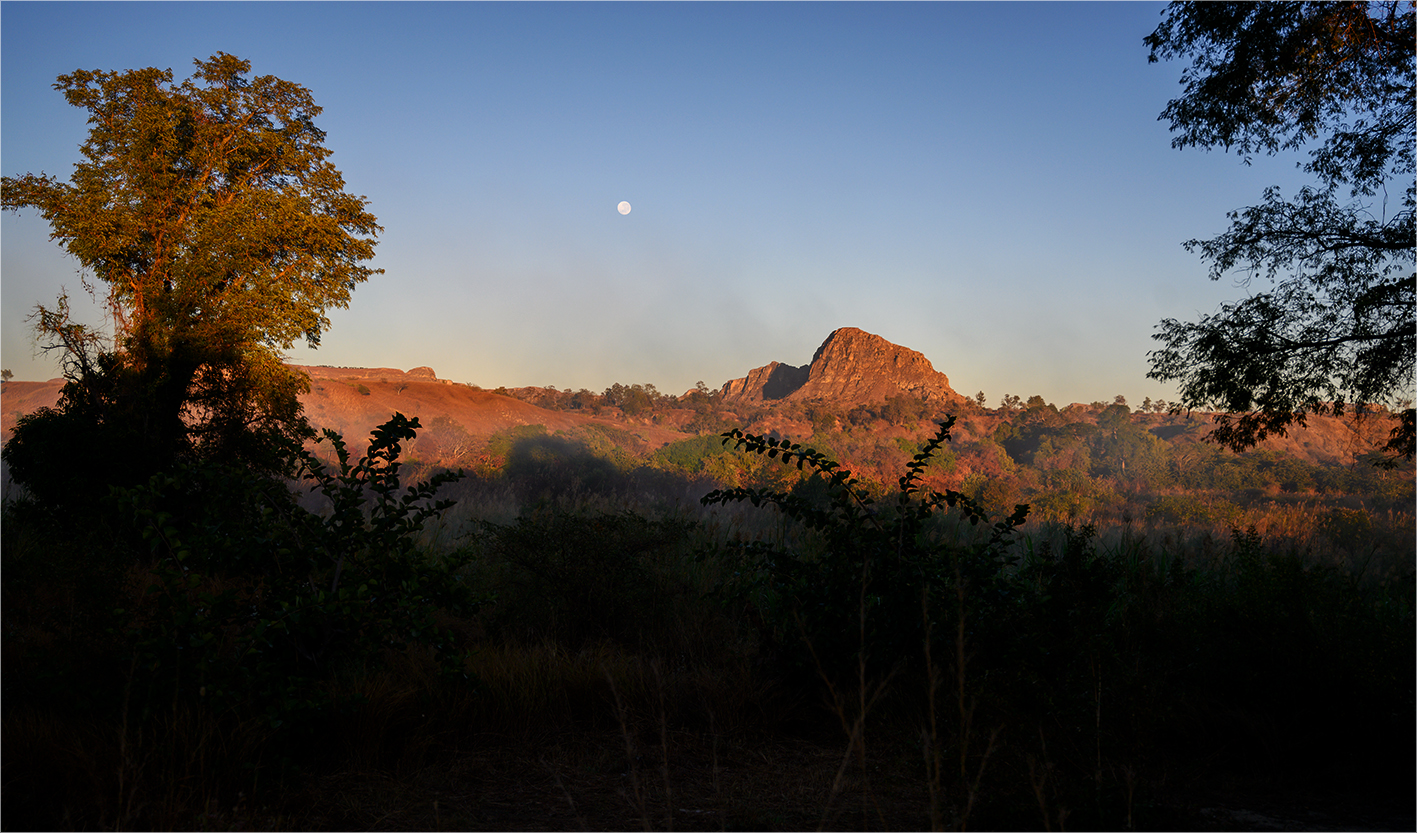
851	366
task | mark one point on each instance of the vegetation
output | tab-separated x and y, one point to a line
1021	618
900	644
222	233
253	598
1059	672
900	638
1338	329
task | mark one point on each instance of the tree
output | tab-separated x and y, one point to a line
633	400
1123	449
222	233
446	439
1337	327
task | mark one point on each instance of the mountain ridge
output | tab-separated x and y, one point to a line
851	367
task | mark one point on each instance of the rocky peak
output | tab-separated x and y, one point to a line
852	365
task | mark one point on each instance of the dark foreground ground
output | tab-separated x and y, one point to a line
585	781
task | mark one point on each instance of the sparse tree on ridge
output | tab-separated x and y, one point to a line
1336	328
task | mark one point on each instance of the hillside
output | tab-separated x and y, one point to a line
337	401
849	378
20	398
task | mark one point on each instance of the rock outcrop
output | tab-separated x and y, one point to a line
851	366
417	374
774	381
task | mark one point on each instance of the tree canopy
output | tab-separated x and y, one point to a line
213	221
1336	329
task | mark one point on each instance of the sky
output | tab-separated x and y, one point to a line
985	183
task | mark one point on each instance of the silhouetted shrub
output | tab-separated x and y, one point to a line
853	594
255	601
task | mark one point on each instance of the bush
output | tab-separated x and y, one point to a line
688	455
1345	526
853	598
1062	504
255	602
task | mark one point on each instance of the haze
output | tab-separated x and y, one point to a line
987	184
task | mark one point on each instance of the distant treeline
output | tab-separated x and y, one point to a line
1100	463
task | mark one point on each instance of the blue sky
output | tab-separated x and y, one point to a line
985	183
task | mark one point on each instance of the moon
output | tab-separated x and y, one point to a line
623	207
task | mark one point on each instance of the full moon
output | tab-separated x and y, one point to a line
623	207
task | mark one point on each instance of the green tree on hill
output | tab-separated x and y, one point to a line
634	400
1125	450
208	212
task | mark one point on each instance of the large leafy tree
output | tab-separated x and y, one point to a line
1334	328
209	214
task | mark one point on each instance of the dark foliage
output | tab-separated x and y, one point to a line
113	411
1074	669
855	598
255	602
1338	328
